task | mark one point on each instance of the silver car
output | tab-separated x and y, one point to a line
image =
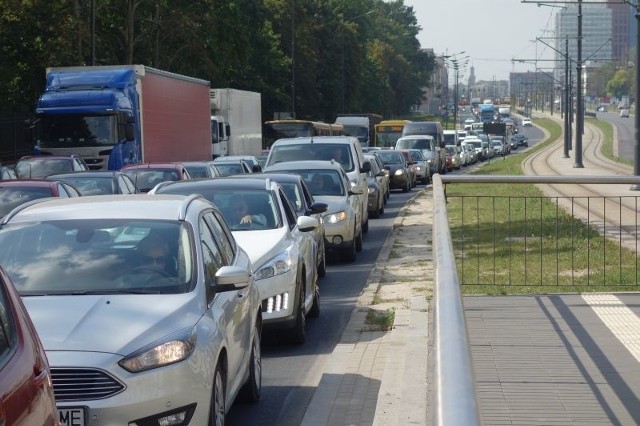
279	243
329	184
146	306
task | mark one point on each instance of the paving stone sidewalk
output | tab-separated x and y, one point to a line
376	377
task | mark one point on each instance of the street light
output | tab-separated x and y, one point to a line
457	64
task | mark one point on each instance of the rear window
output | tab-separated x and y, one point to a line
414	143
309	151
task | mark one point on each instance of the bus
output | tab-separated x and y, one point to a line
279	129
388	132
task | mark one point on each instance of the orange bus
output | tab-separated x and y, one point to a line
279	129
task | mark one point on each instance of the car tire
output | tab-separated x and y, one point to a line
406	187
315	308
365	226
252	388
381	210
299	331
358	242
217	410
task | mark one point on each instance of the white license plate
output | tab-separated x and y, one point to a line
71	416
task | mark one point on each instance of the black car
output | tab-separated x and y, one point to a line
399	175
520	139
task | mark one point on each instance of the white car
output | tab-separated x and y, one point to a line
342	220
624	113
134	336
279	243
526	122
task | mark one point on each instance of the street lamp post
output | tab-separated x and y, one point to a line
579	105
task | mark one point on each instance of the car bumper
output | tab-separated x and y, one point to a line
398	182
339	236
183	386
277	297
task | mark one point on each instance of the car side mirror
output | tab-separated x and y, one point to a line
318	208
366	167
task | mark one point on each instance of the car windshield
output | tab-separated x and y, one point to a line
236	204
390	156
42	167
12	197
92	185
98	256
315	151
413	143
228	169
146	179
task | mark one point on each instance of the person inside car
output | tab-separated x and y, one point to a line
243	216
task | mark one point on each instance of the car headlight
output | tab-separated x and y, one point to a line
168	352
354	183
336	217
418	168
277	265
399	172
371	189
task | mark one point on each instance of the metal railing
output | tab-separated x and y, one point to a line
581	242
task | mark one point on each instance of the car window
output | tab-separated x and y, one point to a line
288	209
7	327
294	195
212	259
13	197
95	256
222	236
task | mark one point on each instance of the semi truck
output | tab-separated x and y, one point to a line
236	122
361	126
116	115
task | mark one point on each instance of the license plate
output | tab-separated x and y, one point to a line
71	416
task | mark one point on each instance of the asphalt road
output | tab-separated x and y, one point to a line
290	372
626	132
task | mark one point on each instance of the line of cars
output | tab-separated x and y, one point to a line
151	306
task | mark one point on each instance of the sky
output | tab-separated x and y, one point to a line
490	32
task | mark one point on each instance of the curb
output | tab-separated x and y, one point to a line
365	379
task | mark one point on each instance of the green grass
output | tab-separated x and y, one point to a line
378	320
517	241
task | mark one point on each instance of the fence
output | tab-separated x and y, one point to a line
516	243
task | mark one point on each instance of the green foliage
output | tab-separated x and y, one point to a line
336	56
621	83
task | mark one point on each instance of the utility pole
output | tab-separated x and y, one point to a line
579	104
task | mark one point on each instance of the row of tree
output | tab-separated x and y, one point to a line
313	58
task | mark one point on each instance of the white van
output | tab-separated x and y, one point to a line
344	149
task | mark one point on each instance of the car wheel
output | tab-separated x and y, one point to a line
358	243
315	308
365	226
253	386
407	187
381	210
299	332
218	409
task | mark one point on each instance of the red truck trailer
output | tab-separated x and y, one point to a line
124	114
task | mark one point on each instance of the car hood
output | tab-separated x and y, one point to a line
116	324
262	245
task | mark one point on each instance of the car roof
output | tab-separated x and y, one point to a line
167	165
418	136
315	139
278	177
128	206
304	165
86	173
227	182
33	183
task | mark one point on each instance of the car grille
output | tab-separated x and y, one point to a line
82	384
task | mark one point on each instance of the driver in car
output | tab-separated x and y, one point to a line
242	215
155	252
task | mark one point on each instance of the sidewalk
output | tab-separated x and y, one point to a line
376	377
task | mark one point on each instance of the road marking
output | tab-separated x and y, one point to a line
622	321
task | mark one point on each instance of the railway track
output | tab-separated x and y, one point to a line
611	208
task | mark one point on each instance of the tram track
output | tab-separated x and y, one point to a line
611	208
